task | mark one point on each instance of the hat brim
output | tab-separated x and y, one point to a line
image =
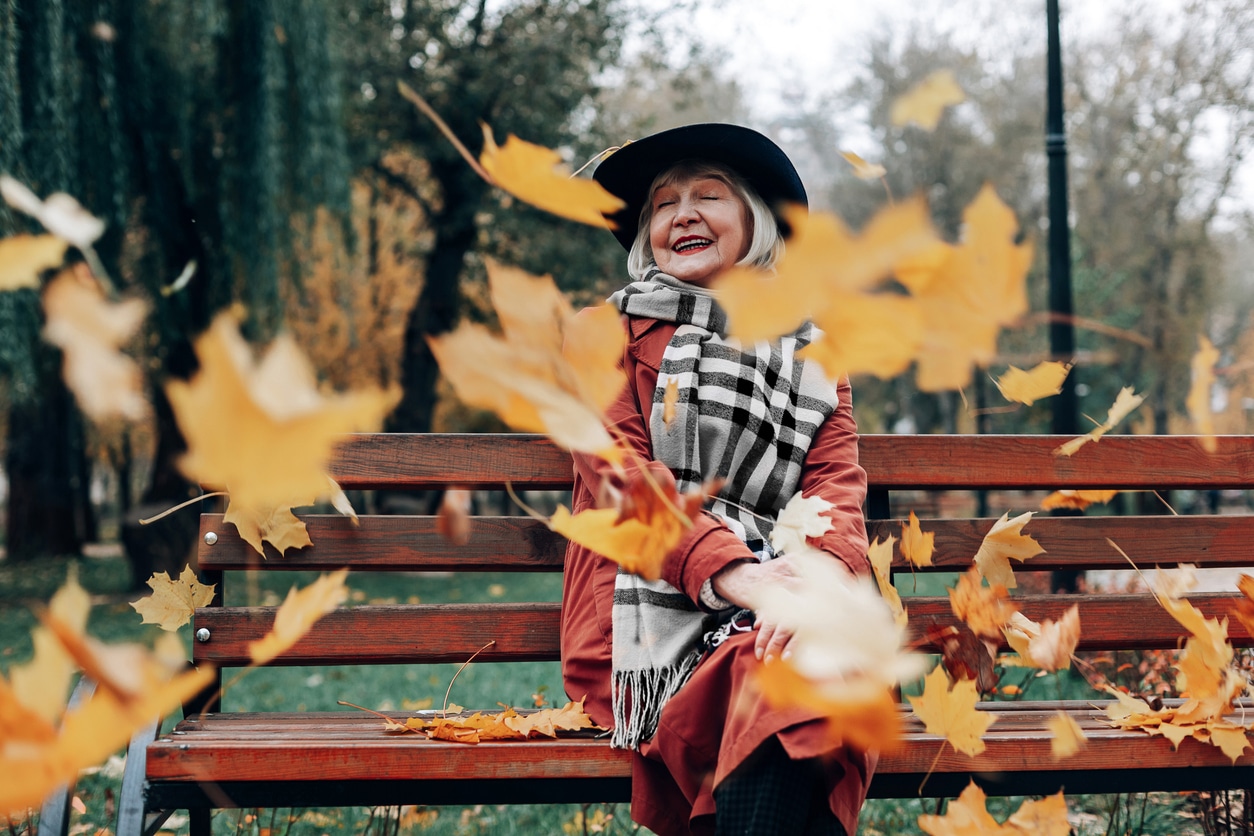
629	172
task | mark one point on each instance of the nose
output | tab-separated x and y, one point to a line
686	212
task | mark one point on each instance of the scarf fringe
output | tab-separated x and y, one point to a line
638	698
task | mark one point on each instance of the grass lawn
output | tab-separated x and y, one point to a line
403	687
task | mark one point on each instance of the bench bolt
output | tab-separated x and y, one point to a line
202	635
211	537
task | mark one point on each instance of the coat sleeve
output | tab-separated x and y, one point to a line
832	472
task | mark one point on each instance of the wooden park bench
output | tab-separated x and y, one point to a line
216	760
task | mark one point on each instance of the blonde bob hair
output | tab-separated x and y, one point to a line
766	244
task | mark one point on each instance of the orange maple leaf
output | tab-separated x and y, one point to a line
173	602
1028	387
924	103
535	174
1079	500
300	611
985	609
1005	541
968	816
951	712
1202	368
861	714
24	257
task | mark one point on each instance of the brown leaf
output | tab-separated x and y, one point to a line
861	714
173	602
965	656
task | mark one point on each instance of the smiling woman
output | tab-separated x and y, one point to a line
670	664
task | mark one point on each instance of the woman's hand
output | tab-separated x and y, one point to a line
736	583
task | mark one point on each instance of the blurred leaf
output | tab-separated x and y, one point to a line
1042	381
24	257
299	612
924	103
1124	404
1198	400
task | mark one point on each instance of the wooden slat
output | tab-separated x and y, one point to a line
400	543
894	462
1107	622
390	634
1081	542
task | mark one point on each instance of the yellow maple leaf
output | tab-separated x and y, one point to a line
951	713
24	257
1079	500
277	526
1204	662
172	603
924	103
916	544
824	264
881	557
536	174
1005	541
867	333
1202	369
1066	736
19	722
89	329
639	547
527	376
1048	645
1126	402
43	683
980	287
861	168
1230	738
985	609
263	431
1041	381
300	611
968	816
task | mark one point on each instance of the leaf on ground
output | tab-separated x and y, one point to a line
980	287
262	430
1004	542
824	268
1066	736
299	612
801	519
24	257
1078	500
985	609
1124	404
951	712
917	545
537	175
60	213
924	103
453	518
1202	369
881	557
89	330
968	816
529	376
173	602
862	169
1041	381
1048	645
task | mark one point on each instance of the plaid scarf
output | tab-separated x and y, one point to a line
748	415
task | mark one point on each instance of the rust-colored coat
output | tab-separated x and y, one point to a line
717	719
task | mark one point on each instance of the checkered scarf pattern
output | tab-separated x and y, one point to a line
747	414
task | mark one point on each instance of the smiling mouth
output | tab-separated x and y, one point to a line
689	244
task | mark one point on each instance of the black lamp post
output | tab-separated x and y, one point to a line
1061	326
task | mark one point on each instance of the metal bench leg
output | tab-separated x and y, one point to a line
54	815
132	806
200	824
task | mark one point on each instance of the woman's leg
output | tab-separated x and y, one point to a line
770	793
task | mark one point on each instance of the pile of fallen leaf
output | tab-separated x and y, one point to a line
507	724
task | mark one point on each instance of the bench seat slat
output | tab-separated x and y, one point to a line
401	461
521	544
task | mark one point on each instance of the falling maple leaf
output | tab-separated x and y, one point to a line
1079	500
1005	541
551	371
976	289
968	816
951	712
89	329
262	430
916	544
43	683
881	557
536	175
924	103
861	168
173	602
1048	645
639	547
1066	736
453	518
1041	381
824	267
964	655
60	213
801	518
24	257
1202	369
300	611
985	609
867	333
861	714
277	526
1124	405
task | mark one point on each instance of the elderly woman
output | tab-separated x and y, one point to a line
670	664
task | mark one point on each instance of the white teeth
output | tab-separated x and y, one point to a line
692	244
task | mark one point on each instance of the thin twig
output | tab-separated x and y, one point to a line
444	709
932	768
168	511
429	112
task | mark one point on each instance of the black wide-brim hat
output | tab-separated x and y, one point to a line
629	172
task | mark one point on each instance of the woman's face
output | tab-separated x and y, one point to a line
699	228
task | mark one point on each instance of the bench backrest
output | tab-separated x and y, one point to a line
898	467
